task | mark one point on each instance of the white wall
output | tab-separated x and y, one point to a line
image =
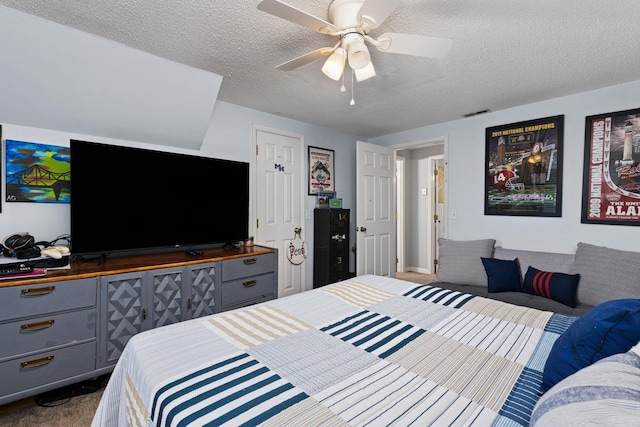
229	137
466	168
57	77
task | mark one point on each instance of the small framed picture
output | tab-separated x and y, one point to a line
321	170
37	173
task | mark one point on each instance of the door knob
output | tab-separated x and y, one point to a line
363	229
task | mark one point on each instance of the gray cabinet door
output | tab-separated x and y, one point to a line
122	313
135	302
203	284
168	296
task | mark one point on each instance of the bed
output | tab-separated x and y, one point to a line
367	351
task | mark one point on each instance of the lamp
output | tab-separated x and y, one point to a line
357	51
366	72
334	65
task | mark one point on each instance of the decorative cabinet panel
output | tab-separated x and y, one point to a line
331	246
168	296
203	286
123	313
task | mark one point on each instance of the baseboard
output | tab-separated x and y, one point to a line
417	270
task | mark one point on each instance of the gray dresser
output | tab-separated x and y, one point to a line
73	324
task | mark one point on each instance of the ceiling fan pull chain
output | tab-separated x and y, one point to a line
353	102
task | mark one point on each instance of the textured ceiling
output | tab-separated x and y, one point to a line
505	53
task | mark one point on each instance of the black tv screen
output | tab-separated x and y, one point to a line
127	199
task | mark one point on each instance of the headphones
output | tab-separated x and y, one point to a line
21	246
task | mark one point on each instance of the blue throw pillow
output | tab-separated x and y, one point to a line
560	287
503	275
610	328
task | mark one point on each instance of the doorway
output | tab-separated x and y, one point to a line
421	210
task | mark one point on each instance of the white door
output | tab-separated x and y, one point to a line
437	208
278	196
376	219
400	184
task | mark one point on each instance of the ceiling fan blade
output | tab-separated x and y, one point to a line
297	16
411	44
374	12
305	59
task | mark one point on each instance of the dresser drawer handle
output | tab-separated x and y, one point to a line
250	261
250	283
36	362
33	292
37	325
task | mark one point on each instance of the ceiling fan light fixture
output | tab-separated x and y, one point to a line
334	65
365	73
358	55
357	51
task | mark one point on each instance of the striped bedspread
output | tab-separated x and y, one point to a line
367	351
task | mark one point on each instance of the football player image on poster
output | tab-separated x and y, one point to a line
611	177
523	168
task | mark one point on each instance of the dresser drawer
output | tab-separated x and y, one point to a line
34	300
248	266
239	291
39	333
43	368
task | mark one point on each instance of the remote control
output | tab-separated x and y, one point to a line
15	269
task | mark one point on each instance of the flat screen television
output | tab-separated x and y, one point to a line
127	200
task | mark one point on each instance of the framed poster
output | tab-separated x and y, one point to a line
38	173
321	170
523	174
611	175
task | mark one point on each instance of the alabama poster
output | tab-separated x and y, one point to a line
611	177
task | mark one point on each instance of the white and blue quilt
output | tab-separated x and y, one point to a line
368	351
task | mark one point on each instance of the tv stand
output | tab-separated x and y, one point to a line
73	324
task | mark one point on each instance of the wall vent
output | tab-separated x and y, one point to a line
477	113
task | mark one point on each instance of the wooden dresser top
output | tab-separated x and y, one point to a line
81	269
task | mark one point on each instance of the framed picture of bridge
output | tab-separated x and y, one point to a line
37	173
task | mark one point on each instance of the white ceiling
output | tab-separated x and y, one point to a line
506	53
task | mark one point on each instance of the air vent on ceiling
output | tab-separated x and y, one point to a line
477	113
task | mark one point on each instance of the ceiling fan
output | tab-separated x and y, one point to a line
351	21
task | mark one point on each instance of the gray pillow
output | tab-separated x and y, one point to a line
606	274
546	261
459	261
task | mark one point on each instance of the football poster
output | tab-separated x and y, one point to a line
523	173
611	177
